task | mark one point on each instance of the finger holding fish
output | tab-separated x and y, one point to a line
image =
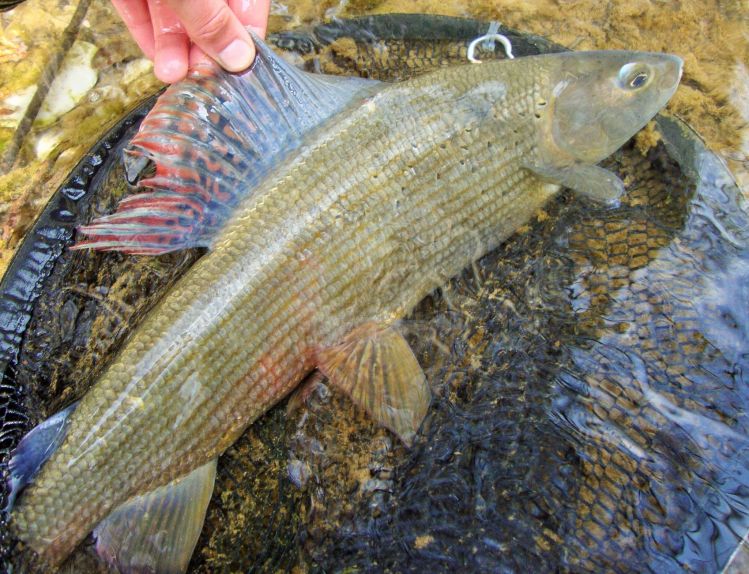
171	43
137	17
176	34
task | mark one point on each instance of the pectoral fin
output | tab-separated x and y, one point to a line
595	182
157	531
376	367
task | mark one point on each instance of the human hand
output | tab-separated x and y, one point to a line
178	33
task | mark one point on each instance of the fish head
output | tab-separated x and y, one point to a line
598	100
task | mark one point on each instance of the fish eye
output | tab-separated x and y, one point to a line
634	76
639	80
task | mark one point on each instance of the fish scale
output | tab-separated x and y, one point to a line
315	251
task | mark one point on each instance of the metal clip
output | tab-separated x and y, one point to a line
488	40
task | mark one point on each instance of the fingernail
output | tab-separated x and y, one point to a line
237	56
171	71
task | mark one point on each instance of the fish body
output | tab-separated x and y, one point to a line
380	205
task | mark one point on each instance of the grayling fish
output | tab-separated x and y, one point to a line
331	207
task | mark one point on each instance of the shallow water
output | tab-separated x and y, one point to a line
590	413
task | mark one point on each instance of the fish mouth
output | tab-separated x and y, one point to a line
672	67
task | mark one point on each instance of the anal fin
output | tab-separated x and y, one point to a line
375	366
157	531
34	450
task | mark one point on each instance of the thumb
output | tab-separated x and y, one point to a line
213	27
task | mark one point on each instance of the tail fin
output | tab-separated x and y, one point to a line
213	137
34	450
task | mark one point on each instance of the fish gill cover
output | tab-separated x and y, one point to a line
590	379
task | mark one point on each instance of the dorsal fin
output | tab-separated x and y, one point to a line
212	138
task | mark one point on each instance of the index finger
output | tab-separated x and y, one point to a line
217	31
253	13
137	18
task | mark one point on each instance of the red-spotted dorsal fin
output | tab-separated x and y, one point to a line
375	366
212	138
